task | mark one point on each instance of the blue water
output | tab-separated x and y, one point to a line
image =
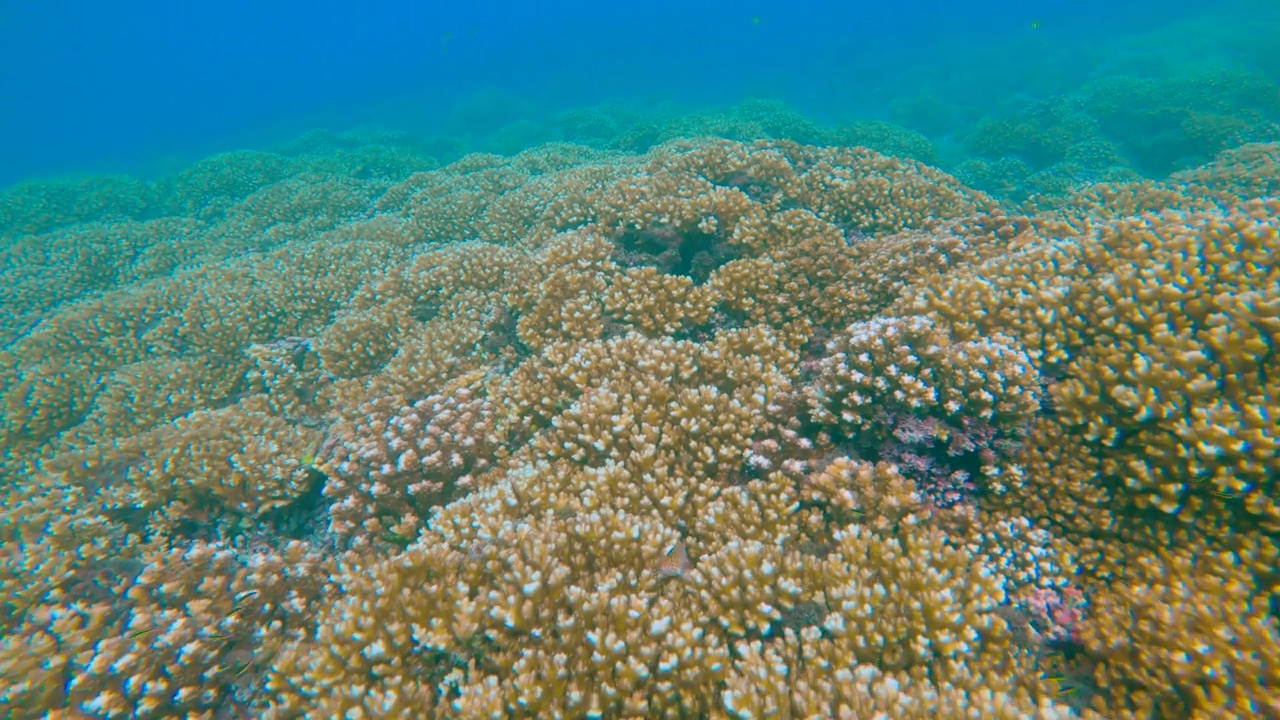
148	87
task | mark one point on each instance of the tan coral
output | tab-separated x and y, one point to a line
1186	635
241	459
386	470
585	455
1180	364
656	304
357	343
201	624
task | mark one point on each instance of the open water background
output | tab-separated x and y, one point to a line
147	87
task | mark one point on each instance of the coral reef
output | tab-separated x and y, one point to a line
723	430
1112	129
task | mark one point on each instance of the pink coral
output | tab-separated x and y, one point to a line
941	457
1056	612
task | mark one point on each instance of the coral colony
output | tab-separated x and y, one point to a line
713	430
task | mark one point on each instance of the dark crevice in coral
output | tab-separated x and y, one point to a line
305	516
758	190
672	251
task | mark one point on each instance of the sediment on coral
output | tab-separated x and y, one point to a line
723	429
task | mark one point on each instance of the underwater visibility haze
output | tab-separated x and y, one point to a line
688	360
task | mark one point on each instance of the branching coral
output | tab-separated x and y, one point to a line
388	469
725	430
1186	635
902	390
1183	363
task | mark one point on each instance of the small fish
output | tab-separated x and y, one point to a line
1060	688
397	540
755	20
676	564
1035	26
240	604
